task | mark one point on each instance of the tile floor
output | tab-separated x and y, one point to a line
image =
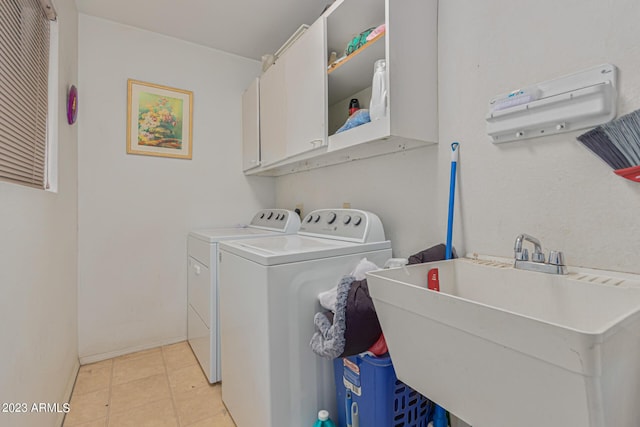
161	387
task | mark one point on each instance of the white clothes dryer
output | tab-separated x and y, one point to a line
203	330
269	292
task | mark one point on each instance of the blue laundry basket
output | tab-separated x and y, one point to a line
382	400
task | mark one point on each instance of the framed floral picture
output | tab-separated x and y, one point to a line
159	120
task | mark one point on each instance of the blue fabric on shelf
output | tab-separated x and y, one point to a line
358	118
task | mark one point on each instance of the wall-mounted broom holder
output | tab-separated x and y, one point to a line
577	101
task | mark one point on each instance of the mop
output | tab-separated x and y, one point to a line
452	190
440	414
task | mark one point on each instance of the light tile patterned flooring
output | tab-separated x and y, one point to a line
161	387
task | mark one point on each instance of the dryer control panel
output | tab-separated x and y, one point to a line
282	220
352	225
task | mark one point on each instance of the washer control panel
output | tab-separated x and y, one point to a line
276	219
343	224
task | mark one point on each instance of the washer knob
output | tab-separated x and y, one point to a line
332	218
346	220
309	218
262	215
270	215
317	218
357	220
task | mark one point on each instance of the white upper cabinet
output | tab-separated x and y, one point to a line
304	100
251	126
409	47
292	98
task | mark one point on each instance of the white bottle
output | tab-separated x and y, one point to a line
378	106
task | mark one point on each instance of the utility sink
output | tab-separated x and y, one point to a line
501	347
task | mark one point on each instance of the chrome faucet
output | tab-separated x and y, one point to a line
537	263
521	255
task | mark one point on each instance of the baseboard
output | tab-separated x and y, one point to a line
71	382
85	360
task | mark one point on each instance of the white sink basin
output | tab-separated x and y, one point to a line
501	347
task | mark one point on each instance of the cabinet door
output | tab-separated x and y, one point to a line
305	66
251	126
273	114
412	78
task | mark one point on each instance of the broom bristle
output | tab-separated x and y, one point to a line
597	141
624	133
632	127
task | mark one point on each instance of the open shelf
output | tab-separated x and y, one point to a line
350	17
355	72
362	48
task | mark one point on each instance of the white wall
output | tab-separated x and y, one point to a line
549	187
135	211
38	246
399	188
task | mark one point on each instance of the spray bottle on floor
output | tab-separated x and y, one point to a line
324	420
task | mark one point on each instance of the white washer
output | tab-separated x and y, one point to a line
203	329
269	290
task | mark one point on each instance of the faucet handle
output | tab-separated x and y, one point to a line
523	255
537	256
556	258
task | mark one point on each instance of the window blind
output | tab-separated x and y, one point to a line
24	73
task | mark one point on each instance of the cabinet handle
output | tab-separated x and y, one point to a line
317	143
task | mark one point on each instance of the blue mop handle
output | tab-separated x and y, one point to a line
452	192
440	415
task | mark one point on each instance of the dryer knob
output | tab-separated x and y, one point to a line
262	215
270	215
346	220
357	221
277	217
317	218
309	218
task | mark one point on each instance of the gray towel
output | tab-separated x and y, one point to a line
329	340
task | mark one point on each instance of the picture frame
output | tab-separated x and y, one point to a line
159	120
